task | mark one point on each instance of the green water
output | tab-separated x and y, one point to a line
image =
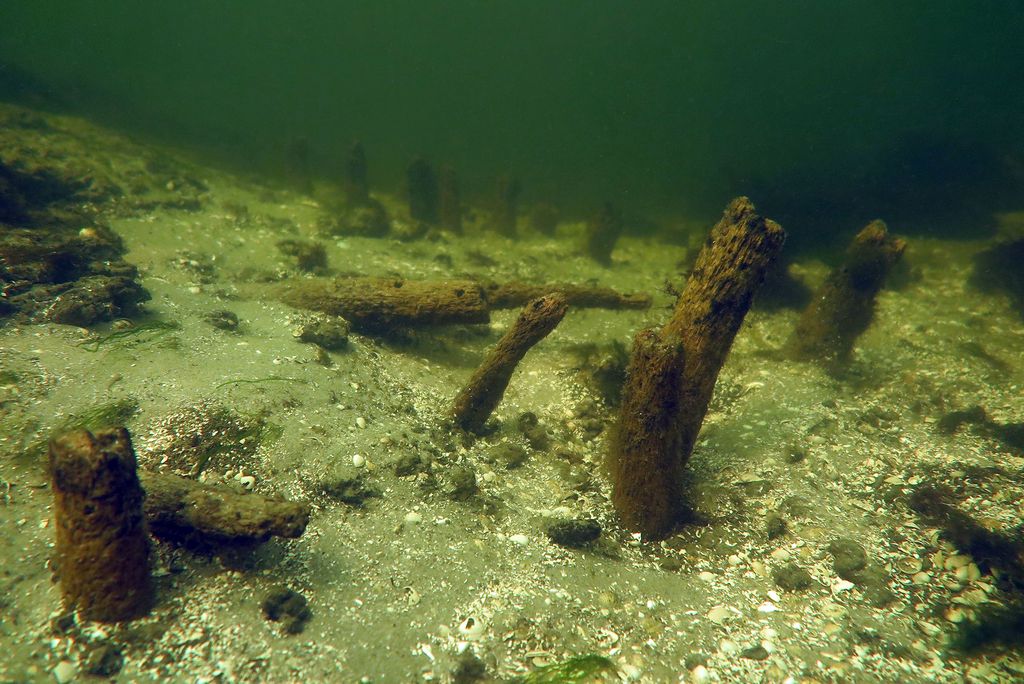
830	113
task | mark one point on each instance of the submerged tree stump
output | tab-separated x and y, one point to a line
486	387
844	306
672	372
102	551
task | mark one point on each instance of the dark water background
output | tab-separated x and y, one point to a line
827	112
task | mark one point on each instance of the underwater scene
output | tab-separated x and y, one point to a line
527	342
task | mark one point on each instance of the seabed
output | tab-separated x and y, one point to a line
430	574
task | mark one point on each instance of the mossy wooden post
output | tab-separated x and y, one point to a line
672	372
603	232
421	186
507	205
844	306
486	387
449	200
356	182
102	551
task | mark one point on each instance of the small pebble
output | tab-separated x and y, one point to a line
64	672
360	422
358	460
520	539
413	518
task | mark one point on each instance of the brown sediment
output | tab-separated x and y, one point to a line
356	183
512	294
486	387
672	372
602	233
506	208
381	304
102	550
186	511
843	307
449	200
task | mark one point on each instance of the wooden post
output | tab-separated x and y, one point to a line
486	387
102	552
672	372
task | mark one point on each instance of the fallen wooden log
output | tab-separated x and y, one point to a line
512	294
381	304
183	510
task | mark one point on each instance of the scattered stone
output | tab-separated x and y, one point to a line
409	464
347	484
330	332
574	534
64	672
792	577
537	436
222	319
462	483
849	558
510	456
63	624
105	660
758	652
470	669
671	564
775	525
309	256
795	453
288	607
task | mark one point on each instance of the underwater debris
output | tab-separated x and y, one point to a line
998	269
309	256
506	205
356	182
200	515
288	607
102	551
66	275
222	319
843	307
329	332
383	304
577	533
422	191
511	294
365	220
602	233
449	200
672	371
485	388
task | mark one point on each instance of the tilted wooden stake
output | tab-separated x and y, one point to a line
481	395
672	372
843	307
